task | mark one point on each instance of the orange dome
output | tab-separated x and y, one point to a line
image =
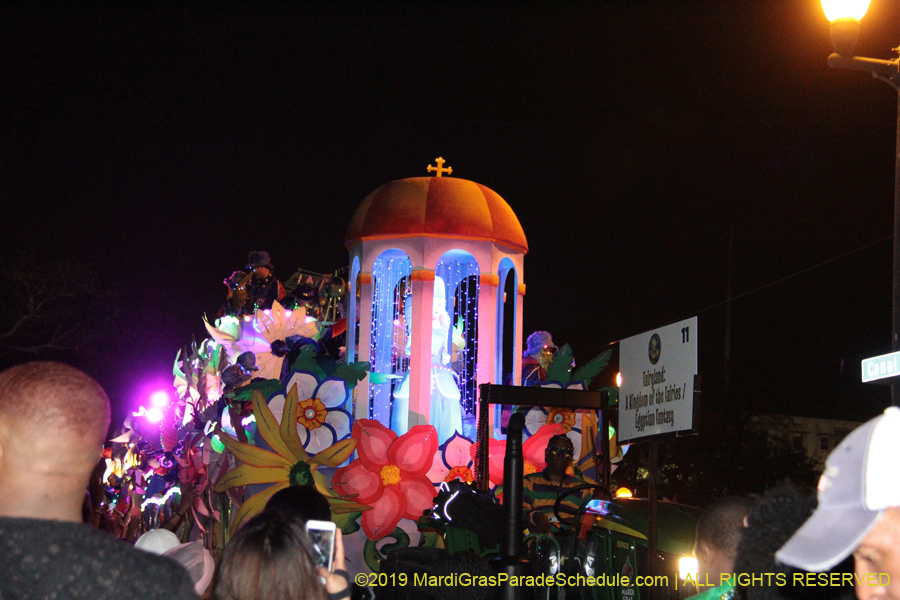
446	207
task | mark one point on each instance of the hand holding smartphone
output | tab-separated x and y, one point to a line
322	535
328	547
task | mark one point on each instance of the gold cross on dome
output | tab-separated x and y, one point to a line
440	168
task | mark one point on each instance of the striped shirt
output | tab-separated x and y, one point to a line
540	492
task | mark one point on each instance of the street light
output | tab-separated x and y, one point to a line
844	16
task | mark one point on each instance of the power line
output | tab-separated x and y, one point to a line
785	278
760	288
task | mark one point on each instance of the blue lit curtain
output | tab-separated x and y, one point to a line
391	314
460	274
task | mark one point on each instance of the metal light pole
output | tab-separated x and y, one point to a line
844	16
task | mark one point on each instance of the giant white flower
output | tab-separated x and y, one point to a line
321	418
257	334
452	461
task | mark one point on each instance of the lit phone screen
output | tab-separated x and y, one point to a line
323	546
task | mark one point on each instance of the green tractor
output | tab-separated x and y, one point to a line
606	557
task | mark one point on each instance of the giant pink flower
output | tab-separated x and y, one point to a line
389	475
532	452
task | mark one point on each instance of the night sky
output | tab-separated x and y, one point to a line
162	142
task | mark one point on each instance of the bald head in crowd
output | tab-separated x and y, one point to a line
53	421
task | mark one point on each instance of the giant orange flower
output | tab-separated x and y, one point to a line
311	413
389	475
453	461
563	416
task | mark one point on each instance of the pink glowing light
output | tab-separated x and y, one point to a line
154	415
159	399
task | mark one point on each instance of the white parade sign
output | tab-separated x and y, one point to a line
881	367
657	391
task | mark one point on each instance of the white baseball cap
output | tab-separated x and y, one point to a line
861	479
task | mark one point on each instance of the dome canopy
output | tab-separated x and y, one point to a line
436	207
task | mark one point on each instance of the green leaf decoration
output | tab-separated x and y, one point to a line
217	444
377	378
300	474
223	361
352	373
613	394
402	541
306	360
268	388
215	356
325	365
348	523
592	368
560	370
176	369
373	555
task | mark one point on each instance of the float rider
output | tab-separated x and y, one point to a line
537	358
541	489
263	288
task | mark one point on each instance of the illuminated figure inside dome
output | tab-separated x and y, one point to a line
446	413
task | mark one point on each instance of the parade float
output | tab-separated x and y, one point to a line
361	382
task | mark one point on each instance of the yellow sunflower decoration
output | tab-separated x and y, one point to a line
288	465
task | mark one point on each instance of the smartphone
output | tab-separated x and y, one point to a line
322	535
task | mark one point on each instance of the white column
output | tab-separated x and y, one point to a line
517	339
420	358
365	342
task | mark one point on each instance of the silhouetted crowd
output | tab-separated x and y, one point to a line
53	421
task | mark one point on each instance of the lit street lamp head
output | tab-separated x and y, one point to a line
844	33
844	16
845	9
